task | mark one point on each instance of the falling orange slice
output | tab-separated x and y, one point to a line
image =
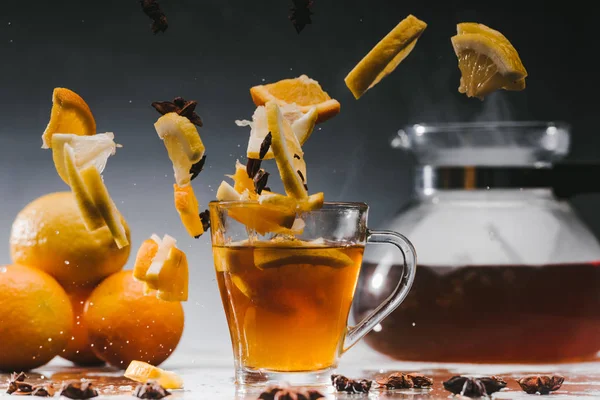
187	206
70	114
303	91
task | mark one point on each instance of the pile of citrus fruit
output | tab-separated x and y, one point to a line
66	293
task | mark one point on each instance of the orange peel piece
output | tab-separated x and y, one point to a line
188	209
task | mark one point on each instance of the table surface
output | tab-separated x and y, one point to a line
211	377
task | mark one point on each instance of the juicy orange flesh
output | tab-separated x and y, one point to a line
286	318
480	75
263	219
292	91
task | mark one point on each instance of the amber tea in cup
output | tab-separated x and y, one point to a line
287	297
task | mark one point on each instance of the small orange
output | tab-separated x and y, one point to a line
303	91
35	318
78	348
69	114
125	325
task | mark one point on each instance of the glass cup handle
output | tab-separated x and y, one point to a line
355	333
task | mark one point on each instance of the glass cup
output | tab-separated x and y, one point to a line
287	298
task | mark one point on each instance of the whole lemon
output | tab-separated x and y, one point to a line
78	348
49	234
35	318
124	325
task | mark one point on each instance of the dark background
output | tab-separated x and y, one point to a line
215	50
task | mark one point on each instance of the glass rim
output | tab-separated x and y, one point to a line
327	206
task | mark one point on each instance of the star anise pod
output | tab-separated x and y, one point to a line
542	384
205	218
260	181
152	9
300	14
253	164
474	387
17	384
399	380
289	393
150	390
78	390
197	168
180	106
343	384
43	391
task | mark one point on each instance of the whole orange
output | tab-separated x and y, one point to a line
35	318
49	234
125	325
78	348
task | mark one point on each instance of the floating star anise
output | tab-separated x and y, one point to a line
180	106
150	390
300	14
542	384
289	393
474	387
197	168
17	384
399	380
343	384
152	9
205	218
253	164
260	181
78	390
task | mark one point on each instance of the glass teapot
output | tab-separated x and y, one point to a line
507	271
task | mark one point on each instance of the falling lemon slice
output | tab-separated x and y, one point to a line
70	114
88	150
106	207
385	56
303	91
302	125
183	143
89	212
187	206
163	267
140	371
290	163
487	61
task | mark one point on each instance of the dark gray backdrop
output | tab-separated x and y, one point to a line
215	50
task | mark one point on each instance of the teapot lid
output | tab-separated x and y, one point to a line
530	144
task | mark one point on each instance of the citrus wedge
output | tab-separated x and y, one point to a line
88	150
140	371
106	207
187	206
69	114
302	125
92	219
264	219
487	61
163	268
302	91
385	56
267	258
290	162
312	202
183	143
226	192
241	180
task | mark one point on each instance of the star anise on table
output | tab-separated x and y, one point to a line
343	384
474	387
289	393
78	390
398	380
542	384
180	106
150	390
152	9
300	14
43	391
17	384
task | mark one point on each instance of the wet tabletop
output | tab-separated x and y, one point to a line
207	378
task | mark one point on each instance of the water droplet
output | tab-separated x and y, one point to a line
61	332
49	339
130	101
77	352
40	347
377	328
135	184
263	79
127	342
57	232
3	270
67	262
102	318
10	23
72	337
10	40
92	345
360	20
414	324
